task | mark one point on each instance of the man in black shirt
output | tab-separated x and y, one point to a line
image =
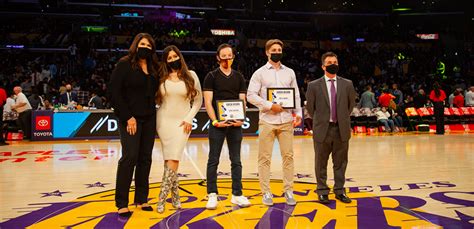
224	83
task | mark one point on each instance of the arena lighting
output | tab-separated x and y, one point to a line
428	36
129	14
401	9
178	34
360	39
400	56
336	38
182	16
223	32
94	29
15	46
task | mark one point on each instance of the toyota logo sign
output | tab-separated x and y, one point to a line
43	122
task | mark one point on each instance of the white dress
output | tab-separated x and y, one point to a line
176	108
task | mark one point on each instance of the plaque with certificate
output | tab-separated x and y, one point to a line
285	97
230	110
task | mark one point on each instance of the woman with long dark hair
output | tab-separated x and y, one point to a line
132	90
180	98
437	96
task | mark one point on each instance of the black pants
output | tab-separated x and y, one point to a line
136	154
24	121
332	145
439	117
216	141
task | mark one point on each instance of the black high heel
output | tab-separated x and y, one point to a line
145	208
125	214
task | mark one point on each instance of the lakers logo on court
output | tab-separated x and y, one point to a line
366	211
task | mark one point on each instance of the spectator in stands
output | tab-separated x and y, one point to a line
3	100
398	95
68	97
8	113
470	97
46	104
383	117
451	97
409	101
367	99
23	107
396	116
438	96
96	101
34	100
458	100
385	98
419	100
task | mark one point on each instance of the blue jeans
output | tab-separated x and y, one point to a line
398	121
216	141
388	123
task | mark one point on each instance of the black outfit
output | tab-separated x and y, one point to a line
224	88
24	121
72	97
419	100
97	102
439	117
132	94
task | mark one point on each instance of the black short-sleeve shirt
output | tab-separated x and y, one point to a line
224	87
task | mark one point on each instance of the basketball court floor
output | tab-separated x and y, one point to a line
396	181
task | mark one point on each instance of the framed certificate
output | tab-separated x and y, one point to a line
283	96
228	110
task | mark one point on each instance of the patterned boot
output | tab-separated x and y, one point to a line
175	190
165	190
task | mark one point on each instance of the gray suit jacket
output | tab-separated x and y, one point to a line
318	107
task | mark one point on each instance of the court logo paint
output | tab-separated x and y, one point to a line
366	211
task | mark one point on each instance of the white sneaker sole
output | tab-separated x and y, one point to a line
241	205
211	207
268	204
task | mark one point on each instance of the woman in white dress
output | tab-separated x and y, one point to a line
180	98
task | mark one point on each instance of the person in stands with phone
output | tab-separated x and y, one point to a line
224	83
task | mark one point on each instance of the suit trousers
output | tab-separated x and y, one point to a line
339	149
136	155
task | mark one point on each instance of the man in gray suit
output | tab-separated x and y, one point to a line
367	99
330	100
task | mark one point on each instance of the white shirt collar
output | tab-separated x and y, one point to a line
270	66
326	78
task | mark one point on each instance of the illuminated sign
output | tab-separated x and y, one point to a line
428	36
223	32
94	29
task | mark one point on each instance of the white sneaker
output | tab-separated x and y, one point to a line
242	201
211	201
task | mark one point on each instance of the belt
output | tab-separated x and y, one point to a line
333	124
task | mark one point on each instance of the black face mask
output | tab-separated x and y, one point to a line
276	57
332	68
175	65
144	53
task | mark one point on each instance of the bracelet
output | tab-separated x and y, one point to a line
214	123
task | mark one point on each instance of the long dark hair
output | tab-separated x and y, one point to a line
152	63
436	88
183	74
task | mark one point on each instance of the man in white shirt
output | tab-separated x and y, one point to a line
23	107
275	121
470	97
